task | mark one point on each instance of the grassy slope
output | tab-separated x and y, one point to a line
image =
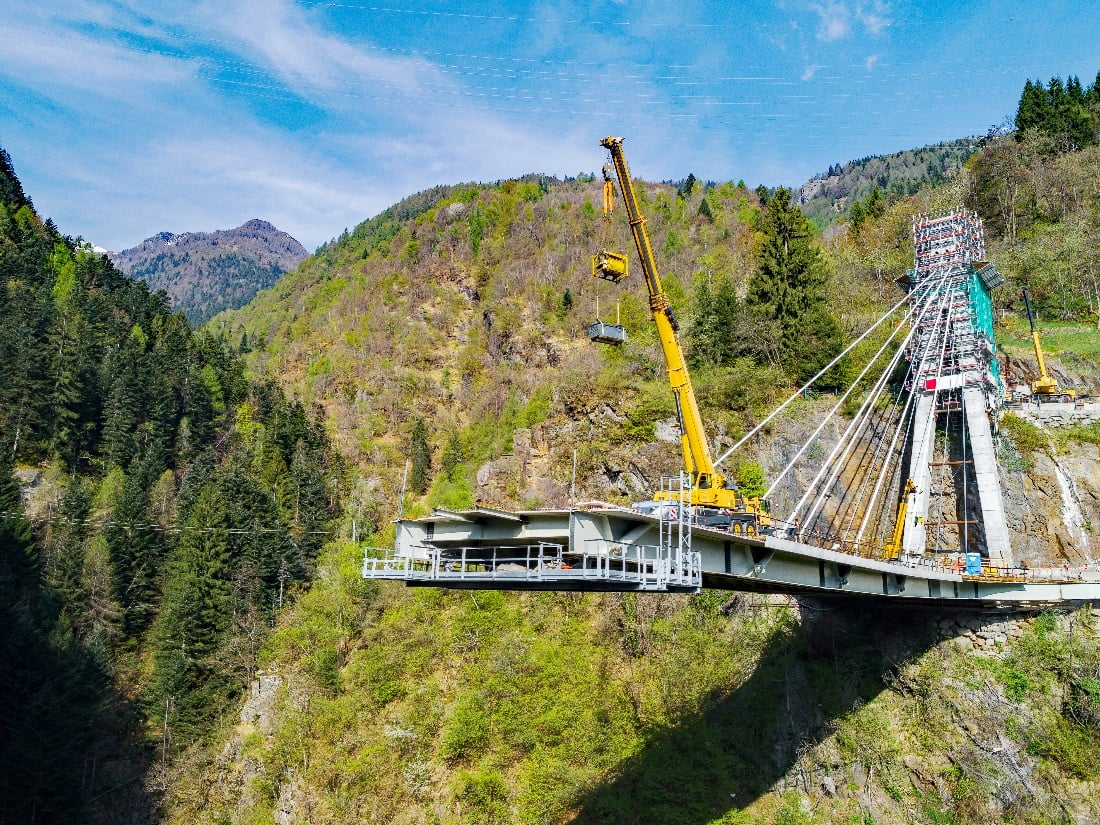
429	706
425	706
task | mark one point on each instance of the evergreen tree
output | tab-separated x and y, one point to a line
788	289
857	215
65	566
187	677
17	559
452	456
310	515
715	334
420	456
50	694
1034	109
135	548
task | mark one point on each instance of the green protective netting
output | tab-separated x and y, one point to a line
981	308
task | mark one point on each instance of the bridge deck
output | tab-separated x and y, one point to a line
621	550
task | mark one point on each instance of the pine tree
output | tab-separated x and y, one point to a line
452	456
310	515
194	619
17	558
420	456
135	548
64	570
1034	109
788	289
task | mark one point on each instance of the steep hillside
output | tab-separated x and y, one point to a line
450	330
207	272
156	512
828	197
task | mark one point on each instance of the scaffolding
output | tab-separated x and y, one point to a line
955	370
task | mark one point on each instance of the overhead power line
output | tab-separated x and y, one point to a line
154	527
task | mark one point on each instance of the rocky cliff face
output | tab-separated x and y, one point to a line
207	272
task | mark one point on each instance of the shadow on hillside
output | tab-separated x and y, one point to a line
745	741
70	748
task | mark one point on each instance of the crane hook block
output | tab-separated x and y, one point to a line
611	266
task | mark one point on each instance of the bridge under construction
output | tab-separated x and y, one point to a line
906	503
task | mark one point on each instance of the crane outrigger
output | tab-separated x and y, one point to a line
707	487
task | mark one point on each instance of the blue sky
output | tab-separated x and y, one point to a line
124	119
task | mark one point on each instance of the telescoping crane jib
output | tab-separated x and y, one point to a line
708	487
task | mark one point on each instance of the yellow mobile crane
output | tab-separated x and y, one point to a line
1045	387
708	487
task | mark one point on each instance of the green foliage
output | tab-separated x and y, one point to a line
420	458
1074	747
1062	111
178	536
898	175
873	207
485	796
751	479
788	289
1027	437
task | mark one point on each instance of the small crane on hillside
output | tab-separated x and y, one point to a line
1044	387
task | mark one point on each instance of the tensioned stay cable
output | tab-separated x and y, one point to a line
846	439
832	412
811	382
853	432
849	438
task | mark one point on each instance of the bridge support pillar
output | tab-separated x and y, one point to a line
985	477
924	434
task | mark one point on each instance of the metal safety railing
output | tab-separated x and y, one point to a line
649	565
939	562
600	562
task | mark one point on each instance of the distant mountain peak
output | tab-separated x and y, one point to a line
258	225
207	272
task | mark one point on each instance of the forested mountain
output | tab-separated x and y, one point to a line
207	272
449	331
829	197
172	507
172	535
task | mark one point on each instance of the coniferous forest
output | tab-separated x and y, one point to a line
180	507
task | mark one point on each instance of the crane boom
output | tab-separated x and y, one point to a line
708	487
697	459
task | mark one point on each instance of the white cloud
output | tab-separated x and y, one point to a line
809	73
871	62
875	16
836	16
155	145
835	22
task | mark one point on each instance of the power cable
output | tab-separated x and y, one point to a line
131	526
